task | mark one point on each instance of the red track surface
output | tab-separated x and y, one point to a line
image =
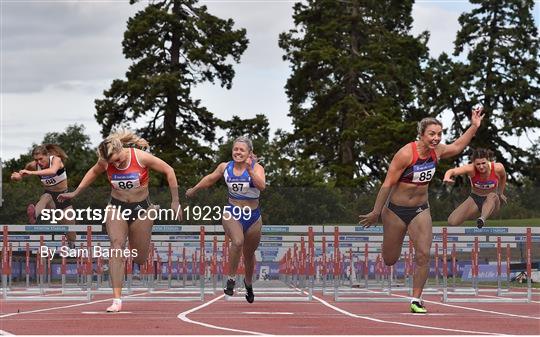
276	318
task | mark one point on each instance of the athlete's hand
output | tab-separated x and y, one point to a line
25	172
251	160
66	196
477	116
366	220
448	180
177	209
502	198
16	176
191	192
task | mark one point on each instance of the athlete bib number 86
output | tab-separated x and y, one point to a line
126	184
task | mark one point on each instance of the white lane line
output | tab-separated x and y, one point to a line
469	308
54	308
494	296
65	306
474	309
5	333
105	313
183	316
267	313
401	323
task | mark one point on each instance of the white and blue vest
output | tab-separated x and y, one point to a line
240	187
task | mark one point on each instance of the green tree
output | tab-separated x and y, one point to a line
356	72
500	43
174	45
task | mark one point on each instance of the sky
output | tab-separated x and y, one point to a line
57	57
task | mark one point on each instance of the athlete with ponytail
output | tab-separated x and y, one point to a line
488	181
402	202
242	221
48	165
127	168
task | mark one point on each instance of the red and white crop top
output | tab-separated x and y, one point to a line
421	170
490	183
133	176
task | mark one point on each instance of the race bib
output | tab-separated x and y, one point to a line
238	187
485	185
48	180
423	173
125	181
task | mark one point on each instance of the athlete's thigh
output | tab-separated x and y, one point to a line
140	233
394	230
233	229
45	201
65	221
117	230
494	198
467	210
252	237
421	232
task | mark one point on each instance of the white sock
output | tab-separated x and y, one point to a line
117	301
233	277
416	299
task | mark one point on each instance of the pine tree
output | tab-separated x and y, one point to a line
502	72
174	45
356	74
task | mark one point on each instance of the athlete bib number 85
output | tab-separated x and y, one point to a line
423	176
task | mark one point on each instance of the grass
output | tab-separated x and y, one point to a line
532	222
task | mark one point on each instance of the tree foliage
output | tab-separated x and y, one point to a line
356	72
174	45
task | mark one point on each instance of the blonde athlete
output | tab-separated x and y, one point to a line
127	169
488	181
402	201
48	165
245	180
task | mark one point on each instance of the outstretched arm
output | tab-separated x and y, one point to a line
459	144
56	164
88	179
399	163
207	181
457	171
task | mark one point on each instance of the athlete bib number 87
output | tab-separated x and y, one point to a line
237	187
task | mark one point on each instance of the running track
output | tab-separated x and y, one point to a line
216	316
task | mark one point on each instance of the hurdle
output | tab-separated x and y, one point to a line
40	294
502	295
383	275
298	266
200	290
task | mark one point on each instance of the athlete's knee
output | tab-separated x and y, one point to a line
390	259
421	257
492	197
453	221
46	198
140	259
117	244
237	243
